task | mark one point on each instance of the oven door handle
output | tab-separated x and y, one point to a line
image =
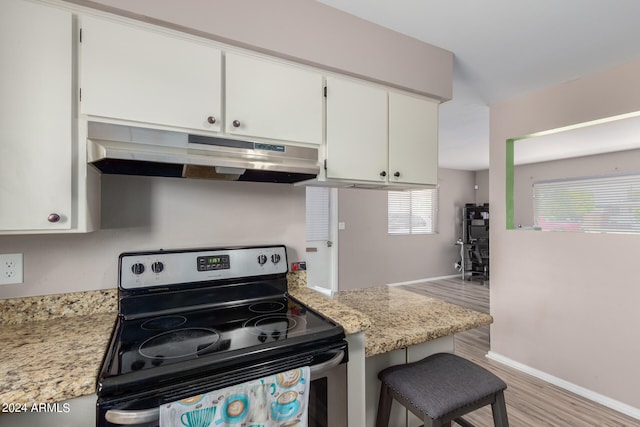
319	370
133	417
128	418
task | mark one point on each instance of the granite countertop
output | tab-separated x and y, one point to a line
353	321
52	346
401	318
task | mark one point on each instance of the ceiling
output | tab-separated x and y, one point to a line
504	49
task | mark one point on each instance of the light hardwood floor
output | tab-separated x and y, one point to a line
531	402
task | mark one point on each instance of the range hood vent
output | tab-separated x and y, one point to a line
125	150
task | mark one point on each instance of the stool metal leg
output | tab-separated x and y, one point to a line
499	410
384	406
462	422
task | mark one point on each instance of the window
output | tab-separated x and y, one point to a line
412	212
601	205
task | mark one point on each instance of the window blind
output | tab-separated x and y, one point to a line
411	212
317	213
595	204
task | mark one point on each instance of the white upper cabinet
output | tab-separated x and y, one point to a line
356	131
269	99
147	75
413	140
375	136
36	128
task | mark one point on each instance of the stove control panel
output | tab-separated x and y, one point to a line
146	269
217	262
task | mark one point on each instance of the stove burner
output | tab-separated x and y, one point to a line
266	307
179	343
163	323
273	323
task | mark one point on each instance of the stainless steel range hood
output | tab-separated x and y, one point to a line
127	150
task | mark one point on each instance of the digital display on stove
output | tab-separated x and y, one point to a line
213	262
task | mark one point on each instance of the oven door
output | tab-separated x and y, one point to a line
327	396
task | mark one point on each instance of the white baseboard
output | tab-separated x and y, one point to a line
581	391
430	279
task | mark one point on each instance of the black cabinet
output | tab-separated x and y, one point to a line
474	243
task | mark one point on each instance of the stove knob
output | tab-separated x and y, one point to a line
157	267
262	337
262	259
275	258
275	335
137	268
137	365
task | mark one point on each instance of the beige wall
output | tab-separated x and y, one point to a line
141	213
307	31
482	181
369	256
565	303
622	162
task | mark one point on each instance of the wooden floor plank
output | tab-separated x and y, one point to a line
531	402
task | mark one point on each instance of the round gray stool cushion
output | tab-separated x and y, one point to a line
441	383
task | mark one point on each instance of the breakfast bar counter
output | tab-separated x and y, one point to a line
405	327
401	318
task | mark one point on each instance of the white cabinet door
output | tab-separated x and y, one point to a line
413	140
145	75
356	131
36	121
271	100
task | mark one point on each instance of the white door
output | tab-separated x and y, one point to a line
268	99
36	136
321	252
147	76
357	126
413	140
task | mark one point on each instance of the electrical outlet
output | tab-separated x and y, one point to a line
10	269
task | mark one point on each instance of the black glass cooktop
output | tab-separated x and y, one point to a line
196	320
151	342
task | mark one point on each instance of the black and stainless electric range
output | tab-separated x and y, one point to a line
194	321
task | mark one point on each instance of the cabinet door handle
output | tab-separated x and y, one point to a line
236	123
53	217
397	174
383	174
211	119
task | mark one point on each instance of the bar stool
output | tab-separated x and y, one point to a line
441	388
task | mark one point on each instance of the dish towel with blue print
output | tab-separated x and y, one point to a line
279	400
